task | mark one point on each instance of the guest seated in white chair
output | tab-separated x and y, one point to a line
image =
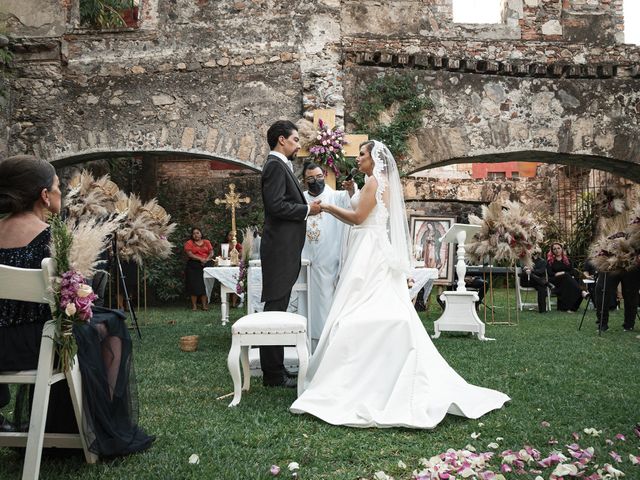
536	277
29	190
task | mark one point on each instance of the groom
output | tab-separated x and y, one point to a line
285	215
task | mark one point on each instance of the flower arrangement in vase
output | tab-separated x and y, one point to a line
328	147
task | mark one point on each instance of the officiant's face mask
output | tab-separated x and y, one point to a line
315	181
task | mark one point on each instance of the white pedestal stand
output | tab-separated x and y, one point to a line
460	313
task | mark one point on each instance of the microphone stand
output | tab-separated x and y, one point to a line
125	293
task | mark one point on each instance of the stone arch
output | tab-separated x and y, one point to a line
68	159
623	168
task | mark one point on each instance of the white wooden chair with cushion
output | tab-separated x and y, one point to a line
33	285
521	295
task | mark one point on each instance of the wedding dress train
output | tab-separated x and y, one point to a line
375	365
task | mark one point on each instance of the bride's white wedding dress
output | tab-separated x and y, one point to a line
375	365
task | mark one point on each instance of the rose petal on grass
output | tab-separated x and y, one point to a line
576	436
634	459
545	424
621	437
293	466
274	470
613	471
194	459
475	435
493	445
616	456
563	469
401	464
380	475
592	431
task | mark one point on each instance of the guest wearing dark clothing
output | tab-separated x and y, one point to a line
605	292
536	277
29	188
562	276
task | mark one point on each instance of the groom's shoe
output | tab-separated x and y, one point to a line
285	382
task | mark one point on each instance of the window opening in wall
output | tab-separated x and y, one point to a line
477	11
109	14
631	12
496	175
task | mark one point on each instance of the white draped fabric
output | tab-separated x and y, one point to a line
323	246
375	365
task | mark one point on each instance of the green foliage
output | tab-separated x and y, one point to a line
553	373
398	92
166	277
62	240
584	229
102	14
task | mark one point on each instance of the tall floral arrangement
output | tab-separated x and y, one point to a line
243	267
618	249
73	297
507	233
143	228
328	147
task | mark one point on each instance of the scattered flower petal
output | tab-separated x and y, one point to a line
380	475
545	424
621	437
616	456
592	431
613	471
475	435
493	445
274	470
293	466
194	459
401	464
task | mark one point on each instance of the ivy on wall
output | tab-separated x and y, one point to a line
103	14
6	59
398	94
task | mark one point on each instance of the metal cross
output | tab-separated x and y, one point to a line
232	200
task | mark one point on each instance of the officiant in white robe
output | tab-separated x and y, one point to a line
323	245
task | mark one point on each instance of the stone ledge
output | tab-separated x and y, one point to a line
492	67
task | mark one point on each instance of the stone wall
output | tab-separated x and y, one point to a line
552	82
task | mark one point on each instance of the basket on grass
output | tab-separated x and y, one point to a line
189	343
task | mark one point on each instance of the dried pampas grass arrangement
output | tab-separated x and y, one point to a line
145	231
88	197
508	233
618	250
98	208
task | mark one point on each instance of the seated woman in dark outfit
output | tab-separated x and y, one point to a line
29	190
561	275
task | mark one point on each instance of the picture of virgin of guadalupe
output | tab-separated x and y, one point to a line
432	249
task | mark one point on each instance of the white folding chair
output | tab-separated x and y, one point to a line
33	285
521	302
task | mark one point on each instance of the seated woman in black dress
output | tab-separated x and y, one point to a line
29	190
561	275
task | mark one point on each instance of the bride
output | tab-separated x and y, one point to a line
375	365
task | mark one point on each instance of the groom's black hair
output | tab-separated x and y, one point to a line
281	127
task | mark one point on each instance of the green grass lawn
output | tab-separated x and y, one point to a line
561	381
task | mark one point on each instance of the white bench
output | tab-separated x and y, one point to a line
262	329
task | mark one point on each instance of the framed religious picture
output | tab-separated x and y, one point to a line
428	248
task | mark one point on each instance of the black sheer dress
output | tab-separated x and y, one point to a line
111	414
566	286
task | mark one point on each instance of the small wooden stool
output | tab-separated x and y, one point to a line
260	329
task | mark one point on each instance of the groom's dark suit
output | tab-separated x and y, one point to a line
285	211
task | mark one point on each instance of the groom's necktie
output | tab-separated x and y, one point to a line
290	165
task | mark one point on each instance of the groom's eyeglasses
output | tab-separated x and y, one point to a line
313	179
